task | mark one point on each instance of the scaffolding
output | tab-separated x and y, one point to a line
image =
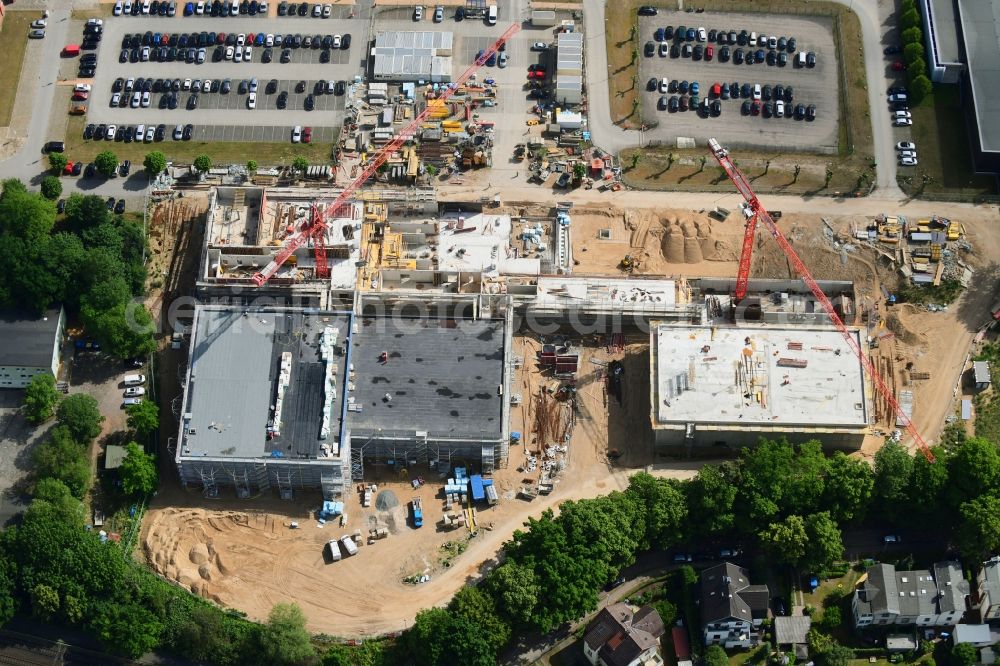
284	477
209	488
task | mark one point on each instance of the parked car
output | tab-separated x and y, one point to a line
646	10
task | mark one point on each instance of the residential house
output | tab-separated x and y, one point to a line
620	637
731	608
977	635
790	634
926	597
986	599
30	346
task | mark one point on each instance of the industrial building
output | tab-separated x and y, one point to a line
422	56
304	398
782	371
30	346
569	68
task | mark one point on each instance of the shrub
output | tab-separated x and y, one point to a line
51	187
909	19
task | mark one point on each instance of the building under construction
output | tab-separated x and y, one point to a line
305	398
793	376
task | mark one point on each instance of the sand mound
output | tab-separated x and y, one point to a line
198	554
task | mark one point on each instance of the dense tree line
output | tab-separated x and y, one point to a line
91	261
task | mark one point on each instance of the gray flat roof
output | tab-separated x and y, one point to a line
981	31
944	23
407	55
26	340
442	375
233	383
737	376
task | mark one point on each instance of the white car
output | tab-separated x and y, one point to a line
199	8
238	56
664	85
206	86
129	84
297	134
779	109
229	53
438	14
269	40
128	402
539	46
418	13
330	87
178	132
145	6
38	24
93	21
127	7
82	87
234	8
756	92
906	145
901	122
116	99
327	11
145	54
336	41
253	85
248	54
317	11
901	114
908	153
241	39
136	99
109	134
772	42
150	133
117	11
898	97
140	131
145	100
702	35
186	85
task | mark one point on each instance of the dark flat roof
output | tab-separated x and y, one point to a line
443	377
26	340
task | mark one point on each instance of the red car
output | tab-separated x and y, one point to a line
80	96
536	75
709	52
220	38
898	66
755	108
68	169
716	90
307	134
250	38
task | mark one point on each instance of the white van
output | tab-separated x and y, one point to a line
800	59
348	544
334	550
128	402
491	15
135	380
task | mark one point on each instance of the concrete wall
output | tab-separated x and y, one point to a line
264	474
673	441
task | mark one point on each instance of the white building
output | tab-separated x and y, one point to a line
732	609
30	346
925	598
412	56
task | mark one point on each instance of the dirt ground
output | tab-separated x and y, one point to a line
244	554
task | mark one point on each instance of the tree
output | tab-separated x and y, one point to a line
8	602
203	163
715	656
300	164
144	418
284	639
917	67
430	636
106	163
824	542
579	171
40	398
127	628
836	655
909	19
155	163
848	487
57	162
913	51
913	36
635	159
963	654
907	5
252	166
475	613
786	541
515	591
57	495
138	471
893	471
831	618
665	511
920	88
973	471
27	216
51	188
978	531
711	495
44	602
80	415
928	483
61	458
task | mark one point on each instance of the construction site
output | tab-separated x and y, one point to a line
452	368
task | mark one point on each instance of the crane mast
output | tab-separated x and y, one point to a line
316	225
759	213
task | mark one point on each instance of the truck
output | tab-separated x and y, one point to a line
378	533
334	550
418	512
348	543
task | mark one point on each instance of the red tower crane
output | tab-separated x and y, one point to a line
760	214
315	225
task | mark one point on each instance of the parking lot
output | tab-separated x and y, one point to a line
227	117
816	85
